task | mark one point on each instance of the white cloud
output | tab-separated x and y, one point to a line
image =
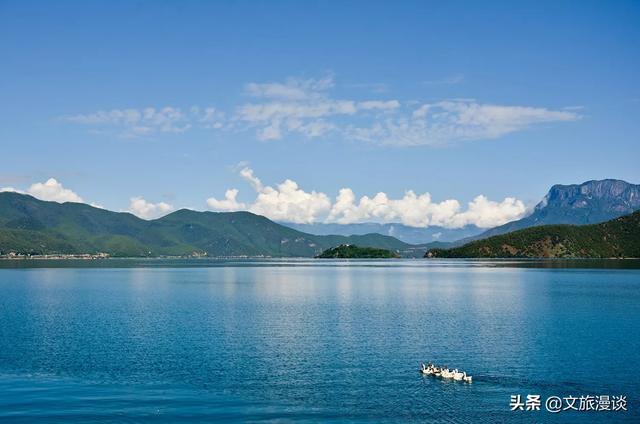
150	120
453	120
307	108
54	191
273	119
285	202
413	210
302	107
420	211
288	202
486	213
228	204
147	210
51	190
247	174
292	89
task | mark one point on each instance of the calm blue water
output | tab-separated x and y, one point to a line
314	341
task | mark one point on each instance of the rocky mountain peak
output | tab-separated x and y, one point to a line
605	195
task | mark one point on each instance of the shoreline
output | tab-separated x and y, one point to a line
91	257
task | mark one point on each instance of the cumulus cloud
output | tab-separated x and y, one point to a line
54	191
288	202
412	209
228	204
147	210
284	202
486	213
50	190
420	211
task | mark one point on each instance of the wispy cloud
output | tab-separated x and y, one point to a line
289	202
307	108
292	89
150	120
301	107
453	120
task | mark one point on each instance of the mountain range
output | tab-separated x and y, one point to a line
32	226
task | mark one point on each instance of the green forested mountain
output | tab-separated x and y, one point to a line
29	225
618	238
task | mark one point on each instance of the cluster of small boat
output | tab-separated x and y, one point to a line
445	372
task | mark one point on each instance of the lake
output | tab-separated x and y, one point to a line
314	341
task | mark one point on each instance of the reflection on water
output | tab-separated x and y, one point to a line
312	340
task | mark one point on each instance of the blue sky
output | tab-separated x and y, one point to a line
174	103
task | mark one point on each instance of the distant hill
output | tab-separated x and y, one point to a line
402	232
618	238
576	204
350	251
32	226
